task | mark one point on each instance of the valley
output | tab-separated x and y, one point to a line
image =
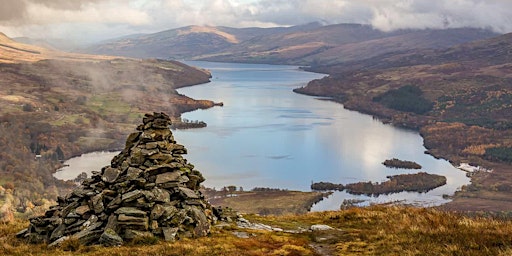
255	127
79	103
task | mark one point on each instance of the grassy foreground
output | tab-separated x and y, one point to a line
377	230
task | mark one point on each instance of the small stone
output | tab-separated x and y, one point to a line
22	233
170	233
133	222
80	192
131	139
91	221
320	227
112	223
133	173
167	177
132	195
81	210
114	203
157	212
89	234
169	212
58	232
202	227
151	145
131	211
97	203
131	234
110	238
155	170
110	174
153	225
161	124
241	234
148	152
58	242
161	195
188	193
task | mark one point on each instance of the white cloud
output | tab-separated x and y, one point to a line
96	17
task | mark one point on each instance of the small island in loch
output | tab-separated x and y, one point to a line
402	164
418	182
327	186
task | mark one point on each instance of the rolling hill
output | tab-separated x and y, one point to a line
56	105
13	52
185	42
299	45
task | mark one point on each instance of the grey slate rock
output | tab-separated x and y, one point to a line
148	190
110	238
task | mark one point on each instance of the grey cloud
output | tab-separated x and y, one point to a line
66	4
495	14
15	11
12	10
390	14
99	19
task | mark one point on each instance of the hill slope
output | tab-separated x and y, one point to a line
301	45
14	52
57	105
185	42
468	99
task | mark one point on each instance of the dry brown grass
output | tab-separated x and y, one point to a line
220	242
270	202
378	230
382	230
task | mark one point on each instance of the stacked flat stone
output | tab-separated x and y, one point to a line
148	190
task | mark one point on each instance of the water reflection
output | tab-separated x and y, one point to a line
268	136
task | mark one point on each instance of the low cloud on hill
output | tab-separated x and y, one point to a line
101	19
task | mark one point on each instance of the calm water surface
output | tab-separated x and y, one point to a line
268	136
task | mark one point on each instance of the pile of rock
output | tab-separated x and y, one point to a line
148	190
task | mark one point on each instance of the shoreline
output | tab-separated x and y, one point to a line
332	99
485	192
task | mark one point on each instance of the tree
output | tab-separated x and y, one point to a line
408	98
60	153
231	189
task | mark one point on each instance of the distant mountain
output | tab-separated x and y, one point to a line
13	52
186	42
308	44
52	43
486	52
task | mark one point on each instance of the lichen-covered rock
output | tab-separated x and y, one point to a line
148	190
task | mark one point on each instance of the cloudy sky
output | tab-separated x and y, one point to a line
90	20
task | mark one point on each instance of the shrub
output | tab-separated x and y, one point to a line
28	108
499	153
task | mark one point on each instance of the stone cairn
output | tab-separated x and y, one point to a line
149	190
